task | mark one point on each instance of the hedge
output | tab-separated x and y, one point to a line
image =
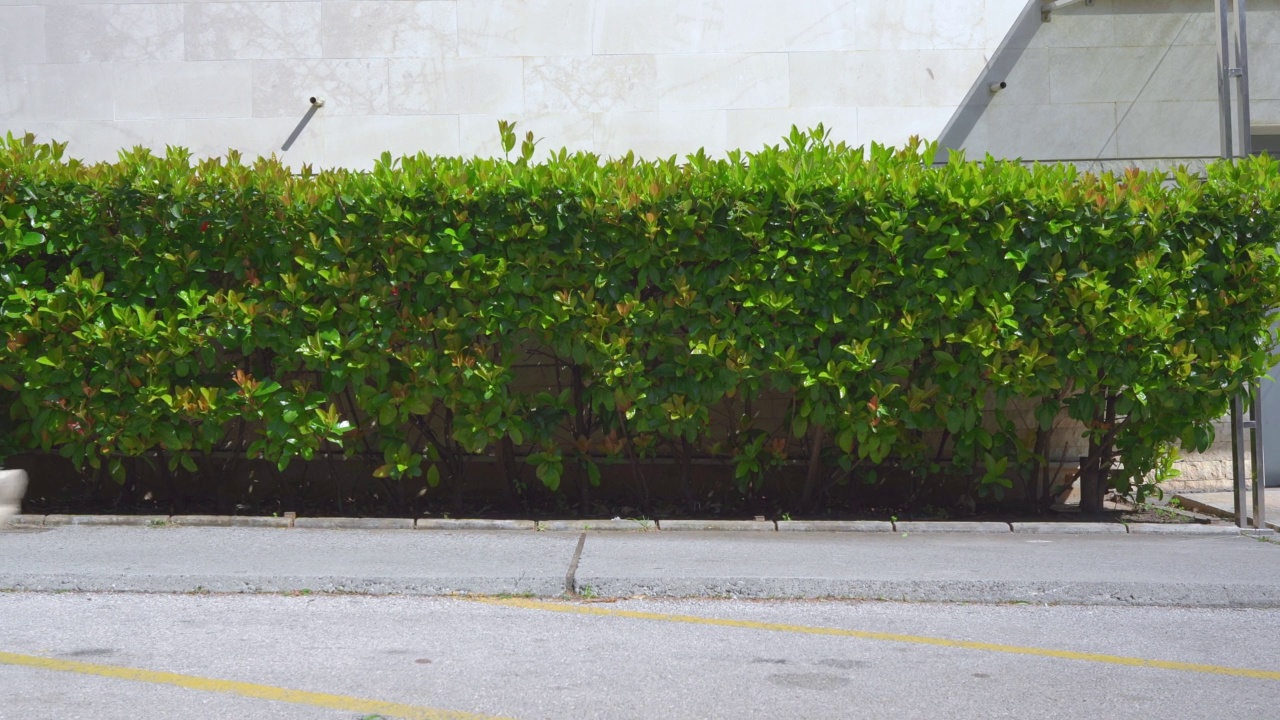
909	315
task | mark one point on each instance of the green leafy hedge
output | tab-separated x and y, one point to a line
581	311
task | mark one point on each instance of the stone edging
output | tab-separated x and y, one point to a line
905	527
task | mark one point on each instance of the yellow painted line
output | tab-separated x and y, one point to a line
242	689
575	609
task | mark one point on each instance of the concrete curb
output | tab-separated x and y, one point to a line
717	525
1052	528
473	524
354	523
1182	529
620	525
912	526
883	526
616	524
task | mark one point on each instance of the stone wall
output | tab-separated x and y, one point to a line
654	76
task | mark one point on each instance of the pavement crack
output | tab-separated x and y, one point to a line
571	577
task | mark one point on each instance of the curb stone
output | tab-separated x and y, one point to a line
27	520
1069	528
835	526
108	520
1182	529
683	525
201	520
473	524
615	524
1193	504
354	523
927	526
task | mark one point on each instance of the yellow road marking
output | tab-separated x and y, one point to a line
574	609
242	689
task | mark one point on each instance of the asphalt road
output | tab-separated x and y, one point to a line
62	655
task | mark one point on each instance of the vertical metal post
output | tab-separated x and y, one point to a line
1259	460
1238	464
1241	73
1224	83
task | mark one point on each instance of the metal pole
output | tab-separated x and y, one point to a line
1259	461
1224	86
1238	464
1241	74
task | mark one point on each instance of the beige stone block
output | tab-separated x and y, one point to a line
1078	26
258	137
1163	23
909	78
894	126
21	36
753	129
282	88
357	142
497	28
1169	130
104	33
1028	81
457	85
723	81
1264	72
102	140
252	30
389	28
921	24
1048	132
734	26
575	132
1186	72
1001	15
80	91
182	90
591	84
661	135
1093	75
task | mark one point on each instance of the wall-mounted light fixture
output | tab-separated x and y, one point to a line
317	101
996	87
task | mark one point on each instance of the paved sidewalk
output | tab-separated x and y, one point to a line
1223	504
1104	569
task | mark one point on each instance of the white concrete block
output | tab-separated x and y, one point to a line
895	125
1186	72
1172	129
753	129
1093	75
457	85
78	91
102	140
389	28
723	81
910	78
591	84
257	137
1163	24
921	24
252	30
1078	26
1000	16
104	33
478	134
1264	71
1050	132
282	88
21	36
735	26
182	90
357	142
498	28
1028	80
660	135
